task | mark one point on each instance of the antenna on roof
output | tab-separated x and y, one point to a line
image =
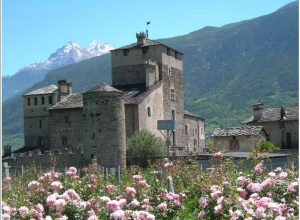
147	29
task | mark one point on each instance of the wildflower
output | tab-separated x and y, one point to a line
6	209
263	202
282	175
254	187
142	215
130	191
105	199
242	192
70	194
134	203
201	214
33	185
122	202
112	205
235	215
259	168
71	172
39	208
217	209
280	218
23	211
272	174
62	218
110	188
260	213
56	185
137	178
117	215
162	207
60	204
168	164
219	154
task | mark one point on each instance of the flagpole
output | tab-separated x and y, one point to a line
147	28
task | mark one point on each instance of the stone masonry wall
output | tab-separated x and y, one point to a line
66	124
104	126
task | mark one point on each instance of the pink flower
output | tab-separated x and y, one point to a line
162	207
134	203
254	187
110	188
260	213
70	194
23	211
142	215
259	168
33	185
272	174
235	215
130	191
216	193
6	209
201	214
282	175
291	187
242	192
118	215
105	199
219	154
71	172
220	200
137	178
217	209
60	204
93	217
56	185
280	218
242	180
5	216
122	203
278	169
51	199
112	205
39	208
263	202
269	182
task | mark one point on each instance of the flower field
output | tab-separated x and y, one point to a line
166	190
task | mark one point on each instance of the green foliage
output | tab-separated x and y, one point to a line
268	146
143	146
16	141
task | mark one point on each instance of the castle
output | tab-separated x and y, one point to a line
147	85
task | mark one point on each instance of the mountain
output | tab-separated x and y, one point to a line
68	54
226	69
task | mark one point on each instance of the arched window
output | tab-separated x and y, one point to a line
149	111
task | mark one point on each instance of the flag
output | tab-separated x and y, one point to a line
148	22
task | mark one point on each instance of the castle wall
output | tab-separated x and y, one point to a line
104	127
36	120
131	120
148	120
193	134
66	128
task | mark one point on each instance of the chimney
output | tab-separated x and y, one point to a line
64	89
141	38
257	110
282	112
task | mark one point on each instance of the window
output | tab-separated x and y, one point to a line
168	51
43	100
172	95
186	130
28	101
67	119
93	136
64	141
50	100
149	111
178	56
173	115
125	52
195	142
288	140
41	124
40	141
35	101
145	50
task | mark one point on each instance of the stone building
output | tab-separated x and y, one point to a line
147	85
281	124
238	139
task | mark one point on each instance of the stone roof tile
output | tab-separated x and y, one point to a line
103	87
192	114
44	90
70	102
238	131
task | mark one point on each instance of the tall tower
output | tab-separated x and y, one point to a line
146	62
104	125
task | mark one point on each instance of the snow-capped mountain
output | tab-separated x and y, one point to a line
68	54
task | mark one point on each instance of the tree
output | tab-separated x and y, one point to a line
143	146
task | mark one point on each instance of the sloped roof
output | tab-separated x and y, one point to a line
238	131
192	114
147	43
70	102
274	114
44	90
103	87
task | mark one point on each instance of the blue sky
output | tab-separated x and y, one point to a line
33	29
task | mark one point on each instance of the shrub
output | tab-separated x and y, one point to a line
143	146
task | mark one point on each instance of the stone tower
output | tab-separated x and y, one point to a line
104	125
145	63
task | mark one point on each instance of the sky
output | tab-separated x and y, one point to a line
33	29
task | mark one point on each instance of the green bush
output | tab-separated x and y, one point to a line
143	146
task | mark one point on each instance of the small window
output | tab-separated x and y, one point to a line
64	141
125	52
43	100
195	142
172	95
35	101
28	101
50	100
173	115
186	130
41	123
149	111
178	56
201	131
168	51
145	50
93	136
67	119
